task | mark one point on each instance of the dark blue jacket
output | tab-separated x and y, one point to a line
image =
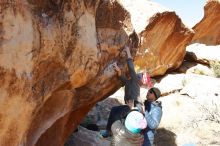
153	116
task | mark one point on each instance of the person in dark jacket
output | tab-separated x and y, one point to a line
132	93
153	114
133	84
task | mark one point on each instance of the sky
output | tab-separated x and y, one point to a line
190	11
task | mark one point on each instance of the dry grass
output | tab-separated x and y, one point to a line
215	65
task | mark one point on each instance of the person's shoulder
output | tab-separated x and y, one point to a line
158	103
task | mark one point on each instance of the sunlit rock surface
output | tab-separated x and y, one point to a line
56	60
207	31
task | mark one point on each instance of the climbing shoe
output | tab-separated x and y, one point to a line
105	133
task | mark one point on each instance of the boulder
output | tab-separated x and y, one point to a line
201	69
100	112
193	114
207	31
56	60
185	66
191	84
170	83
85	137
202	53
162	36
193	67
194	121
199	86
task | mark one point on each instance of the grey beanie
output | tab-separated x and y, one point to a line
156	92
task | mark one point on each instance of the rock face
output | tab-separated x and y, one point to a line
163	37
207	31
56	61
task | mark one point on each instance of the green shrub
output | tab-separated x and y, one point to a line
198	71
215	65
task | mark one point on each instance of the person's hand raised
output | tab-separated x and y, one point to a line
115	66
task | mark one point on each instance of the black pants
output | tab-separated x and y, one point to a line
117	113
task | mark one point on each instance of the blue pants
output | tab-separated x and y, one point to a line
148	138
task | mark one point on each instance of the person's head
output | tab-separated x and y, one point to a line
153	94
135	122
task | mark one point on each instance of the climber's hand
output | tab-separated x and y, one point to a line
117	68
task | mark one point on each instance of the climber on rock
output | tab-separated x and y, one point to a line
132	92
134	82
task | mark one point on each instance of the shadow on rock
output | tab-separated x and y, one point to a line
165	137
